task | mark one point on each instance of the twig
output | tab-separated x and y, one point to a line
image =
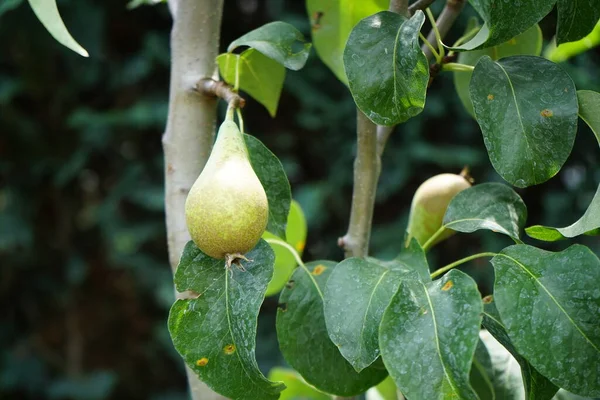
419	5
444	22
399	7
220	89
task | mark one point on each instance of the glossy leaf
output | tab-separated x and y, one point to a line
285	262
492	206
589	110
495	373
295	388
47	13
536	385
332	21
588	224
304	341
387	71
527	109
570	49
356	295
528	43
576	19
277	40
215	333
257	75
272	176
505	20
428	336
549	304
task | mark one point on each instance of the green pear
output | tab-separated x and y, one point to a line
227	209
429	205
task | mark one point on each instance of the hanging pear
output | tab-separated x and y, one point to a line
429	205
227	208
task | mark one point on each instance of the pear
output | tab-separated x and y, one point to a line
227	209
429	205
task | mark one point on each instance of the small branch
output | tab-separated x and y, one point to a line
459	262
419	5
366	173
220	89
399	7
444	22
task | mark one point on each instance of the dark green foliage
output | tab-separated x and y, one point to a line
84	279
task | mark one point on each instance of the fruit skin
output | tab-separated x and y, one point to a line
429	205
227	208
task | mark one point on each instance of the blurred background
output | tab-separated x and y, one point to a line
85	284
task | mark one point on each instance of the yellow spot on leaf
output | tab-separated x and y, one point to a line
229	349
488	299
490	97
546	113
512	41
319	269
202	362
300	246
448	285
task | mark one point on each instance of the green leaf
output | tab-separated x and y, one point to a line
285	262
8	5
304	341
536	385
257	75
332	21
549	304
428	336
277	40
505	20
272	176
356	295
576	19
589	110
495	373
588	224
570	49
296	388
528	43
387	71
138	3
48	14
215	333
492	206
527	109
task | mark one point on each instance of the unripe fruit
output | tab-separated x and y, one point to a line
429	205
227	208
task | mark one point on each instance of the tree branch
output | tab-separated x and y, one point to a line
420	5
220	89
189	134
399	7
367	166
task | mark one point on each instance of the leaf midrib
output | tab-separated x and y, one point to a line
362	329
437	340
512	89
237	353
536	280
